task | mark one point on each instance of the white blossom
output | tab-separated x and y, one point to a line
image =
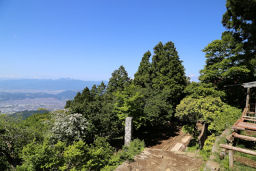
69	127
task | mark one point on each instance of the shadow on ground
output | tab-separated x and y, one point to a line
155	135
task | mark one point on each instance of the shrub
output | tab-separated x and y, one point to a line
69	127
210	110
76	156
208	144
127	153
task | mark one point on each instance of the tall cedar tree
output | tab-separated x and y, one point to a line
164	80
240	19
168	73
143	76
232	60
118	80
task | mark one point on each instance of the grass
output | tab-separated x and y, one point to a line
224	165
126	154
194	148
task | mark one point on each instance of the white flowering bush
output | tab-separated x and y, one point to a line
69	127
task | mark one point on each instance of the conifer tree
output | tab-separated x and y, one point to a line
101	89
118	80
86	95
168	73
228	65
143	76
240	20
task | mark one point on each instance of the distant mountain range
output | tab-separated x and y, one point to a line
65	95
46	84
30	94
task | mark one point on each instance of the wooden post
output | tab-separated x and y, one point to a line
247	98
231	158
254	112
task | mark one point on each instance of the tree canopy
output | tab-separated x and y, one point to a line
240	20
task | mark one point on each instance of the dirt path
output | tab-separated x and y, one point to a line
166	156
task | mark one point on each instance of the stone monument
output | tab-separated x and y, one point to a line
128	131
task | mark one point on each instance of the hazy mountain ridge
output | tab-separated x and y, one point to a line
65	95
46	84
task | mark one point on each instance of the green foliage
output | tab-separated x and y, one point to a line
16	133
209	110
143	76
208	144
147	108
158	109
168	72
4	164
158	88
39	125
80	156
99	154
225	118
119	80
131	102
240	20
97	107
77	156
13	136
43	156
25	114
191	129
74	156
127	153
227	65
197	90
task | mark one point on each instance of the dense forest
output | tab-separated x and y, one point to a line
88	133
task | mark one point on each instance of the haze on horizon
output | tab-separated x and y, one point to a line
88	40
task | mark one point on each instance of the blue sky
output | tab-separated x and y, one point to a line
89	39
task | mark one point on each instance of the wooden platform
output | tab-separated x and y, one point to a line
246	125
247	122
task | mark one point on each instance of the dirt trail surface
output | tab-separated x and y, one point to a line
166	156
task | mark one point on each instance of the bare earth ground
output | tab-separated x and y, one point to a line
166	156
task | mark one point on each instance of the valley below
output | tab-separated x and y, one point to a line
13	106
17	95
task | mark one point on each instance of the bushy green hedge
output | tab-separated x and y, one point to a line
127	153
77	156
210	110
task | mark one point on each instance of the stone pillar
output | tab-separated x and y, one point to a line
128	131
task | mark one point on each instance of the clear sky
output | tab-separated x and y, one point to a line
89	39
